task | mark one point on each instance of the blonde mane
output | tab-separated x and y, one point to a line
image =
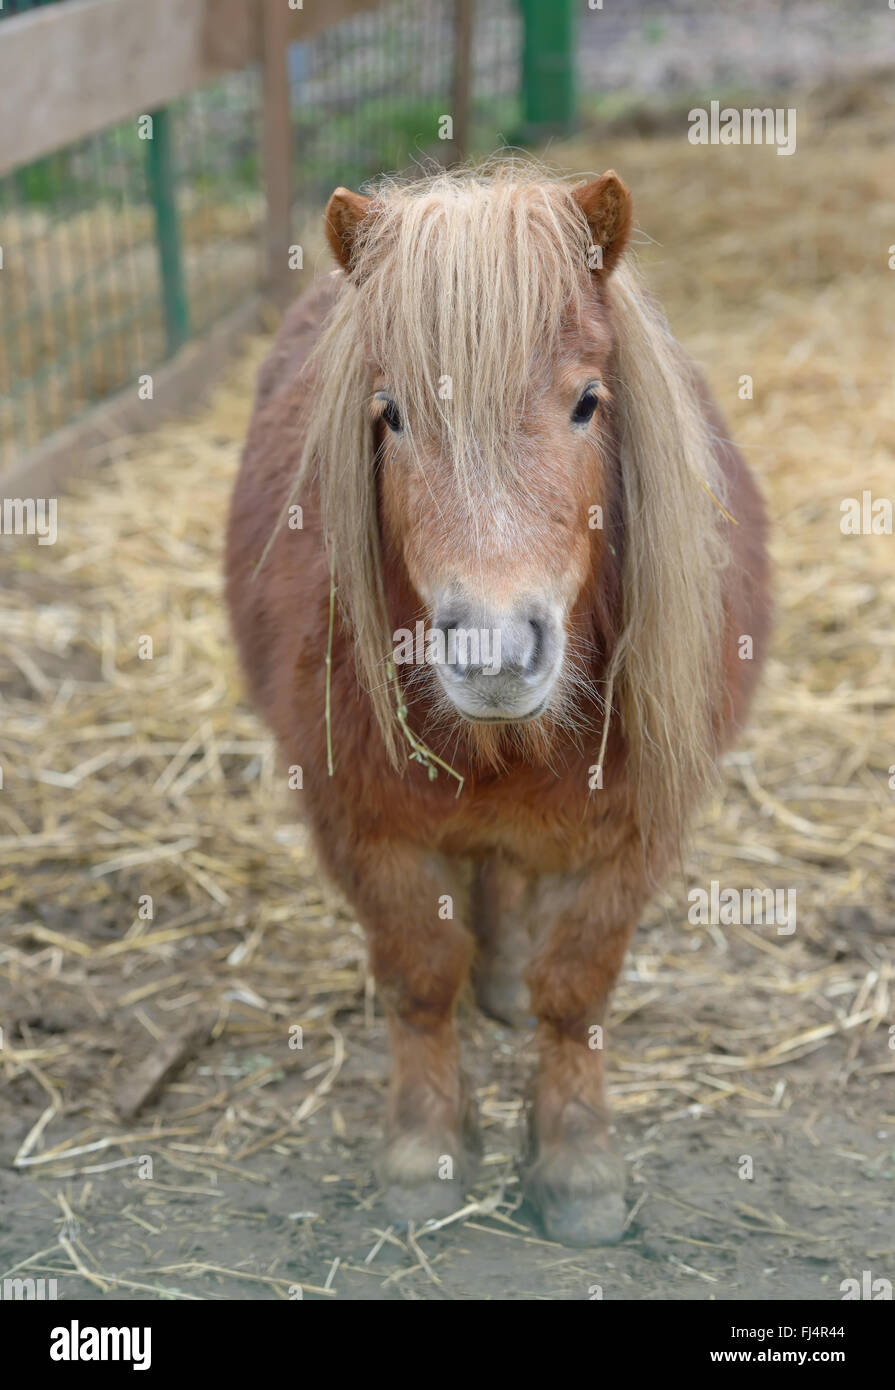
469	275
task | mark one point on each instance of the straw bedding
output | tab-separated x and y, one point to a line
168	1035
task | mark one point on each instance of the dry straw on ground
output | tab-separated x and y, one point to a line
126	777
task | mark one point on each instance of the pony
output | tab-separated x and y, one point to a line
479	424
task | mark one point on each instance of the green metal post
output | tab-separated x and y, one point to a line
548	68
162	189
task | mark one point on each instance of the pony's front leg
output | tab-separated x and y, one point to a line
412	905
575	1177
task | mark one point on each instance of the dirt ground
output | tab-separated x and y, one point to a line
252	1171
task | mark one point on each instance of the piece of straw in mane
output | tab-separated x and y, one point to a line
472	276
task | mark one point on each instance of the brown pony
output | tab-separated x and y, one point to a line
481	424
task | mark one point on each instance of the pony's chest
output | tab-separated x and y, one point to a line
560	828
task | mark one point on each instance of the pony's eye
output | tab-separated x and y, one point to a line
392	417
390	413
587	404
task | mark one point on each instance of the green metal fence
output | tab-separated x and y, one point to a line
118	249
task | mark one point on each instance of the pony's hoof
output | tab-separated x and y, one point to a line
580	1199
423	1178
583	1221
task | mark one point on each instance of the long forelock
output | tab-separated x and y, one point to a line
464	285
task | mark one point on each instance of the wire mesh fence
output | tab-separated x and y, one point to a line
119	248
83	303
368	96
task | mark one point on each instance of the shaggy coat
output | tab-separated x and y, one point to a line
424	406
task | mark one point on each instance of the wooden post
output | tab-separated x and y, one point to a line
277	150
464	16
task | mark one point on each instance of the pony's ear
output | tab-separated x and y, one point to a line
607	205
344	213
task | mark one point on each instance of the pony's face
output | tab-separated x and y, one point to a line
498	567
489	401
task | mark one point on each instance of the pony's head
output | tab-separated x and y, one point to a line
489	343
502	417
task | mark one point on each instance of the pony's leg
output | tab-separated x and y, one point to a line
412	905
575	1177
502	919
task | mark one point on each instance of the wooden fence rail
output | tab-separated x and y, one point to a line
68	71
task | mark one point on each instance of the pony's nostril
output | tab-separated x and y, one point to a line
537	647
459	650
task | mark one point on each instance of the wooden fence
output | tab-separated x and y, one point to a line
76	68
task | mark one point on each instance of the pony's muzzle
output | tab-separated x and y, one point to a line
498	666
